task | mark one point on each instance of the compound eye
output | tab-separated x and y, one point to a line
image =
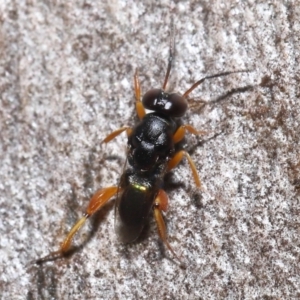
178	105
152	98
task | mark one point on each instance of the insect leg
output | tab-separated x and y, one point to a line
176	160
161	204
99	199
180	132
115	133
140	110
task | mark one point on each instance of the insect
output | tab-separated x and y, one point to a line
150	155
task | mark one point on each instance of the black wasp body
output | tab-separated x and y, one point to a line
150	148
150	154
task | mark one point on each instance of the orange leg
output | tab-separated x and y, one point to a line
180	132
176	160
138	104
115	133
99	199
161	204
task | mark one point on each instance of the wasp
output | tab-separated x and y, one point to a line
151	153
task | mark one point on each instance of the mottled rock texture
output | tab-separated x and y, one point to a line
66	81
